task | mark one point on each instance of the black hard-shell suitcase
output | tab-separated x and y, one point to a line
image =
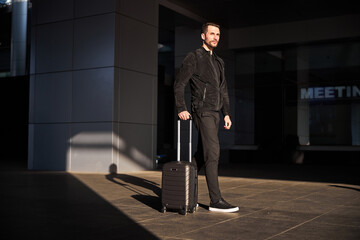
179	182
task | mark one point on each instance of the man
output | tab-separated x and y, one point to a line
209	95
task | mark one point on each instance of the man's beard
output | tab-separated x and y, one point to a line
209	45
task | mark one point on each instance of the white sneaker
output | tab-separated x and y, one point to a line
222	206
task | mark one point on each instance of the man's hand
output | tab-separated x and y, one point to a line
184	115
227	122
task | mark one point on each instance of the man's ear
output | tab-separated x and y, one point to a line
203	36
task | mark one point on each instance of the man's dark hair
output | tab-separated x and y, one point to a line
205	26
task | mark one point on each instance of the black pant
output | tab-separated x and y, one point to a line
208	150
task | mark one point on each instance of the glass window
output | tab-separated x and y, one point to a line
310	92
329	94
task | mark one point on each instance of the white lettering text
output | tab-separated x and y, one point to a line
330	92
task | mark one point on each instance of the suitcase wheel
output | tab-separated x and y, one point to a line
193	210
183	211
163	210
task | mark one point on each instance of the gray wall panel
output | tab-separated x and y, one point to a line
53	97
54	44
32	81
94	39
136	97
145	11
91	147
93	92
51	146
136	148
54	10
32	50
138	47
85	8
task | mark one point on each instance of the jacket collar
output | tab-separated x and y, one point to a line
204	51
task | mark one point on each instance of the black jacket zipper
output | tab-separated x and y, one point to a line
204	92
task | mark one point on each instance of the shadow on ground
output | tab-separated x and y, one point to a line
138	185
40	205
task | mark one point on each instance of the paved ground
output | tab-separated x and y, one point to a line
276	202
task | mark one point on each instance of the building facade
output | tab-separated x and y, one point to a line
101	74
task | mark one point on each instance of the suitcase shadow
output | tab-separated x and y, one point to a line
150	201
139	187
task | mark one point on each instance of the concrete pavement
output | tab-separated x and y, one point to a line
276	202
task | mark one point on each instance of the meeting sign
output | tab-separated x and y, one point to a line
330	93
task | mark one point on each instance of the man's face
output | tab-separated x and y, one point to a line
212	37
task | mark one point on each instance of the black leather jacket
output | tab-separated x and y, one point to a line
206	92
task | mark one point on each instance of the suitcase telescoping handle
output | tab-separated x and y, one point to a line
190	140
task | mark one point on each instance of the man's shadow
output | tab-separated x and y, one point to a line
135	184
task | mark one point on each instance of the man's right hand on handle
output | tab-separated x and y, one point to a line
184	115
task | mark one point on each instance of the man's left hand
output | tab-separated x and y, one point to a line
227	121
